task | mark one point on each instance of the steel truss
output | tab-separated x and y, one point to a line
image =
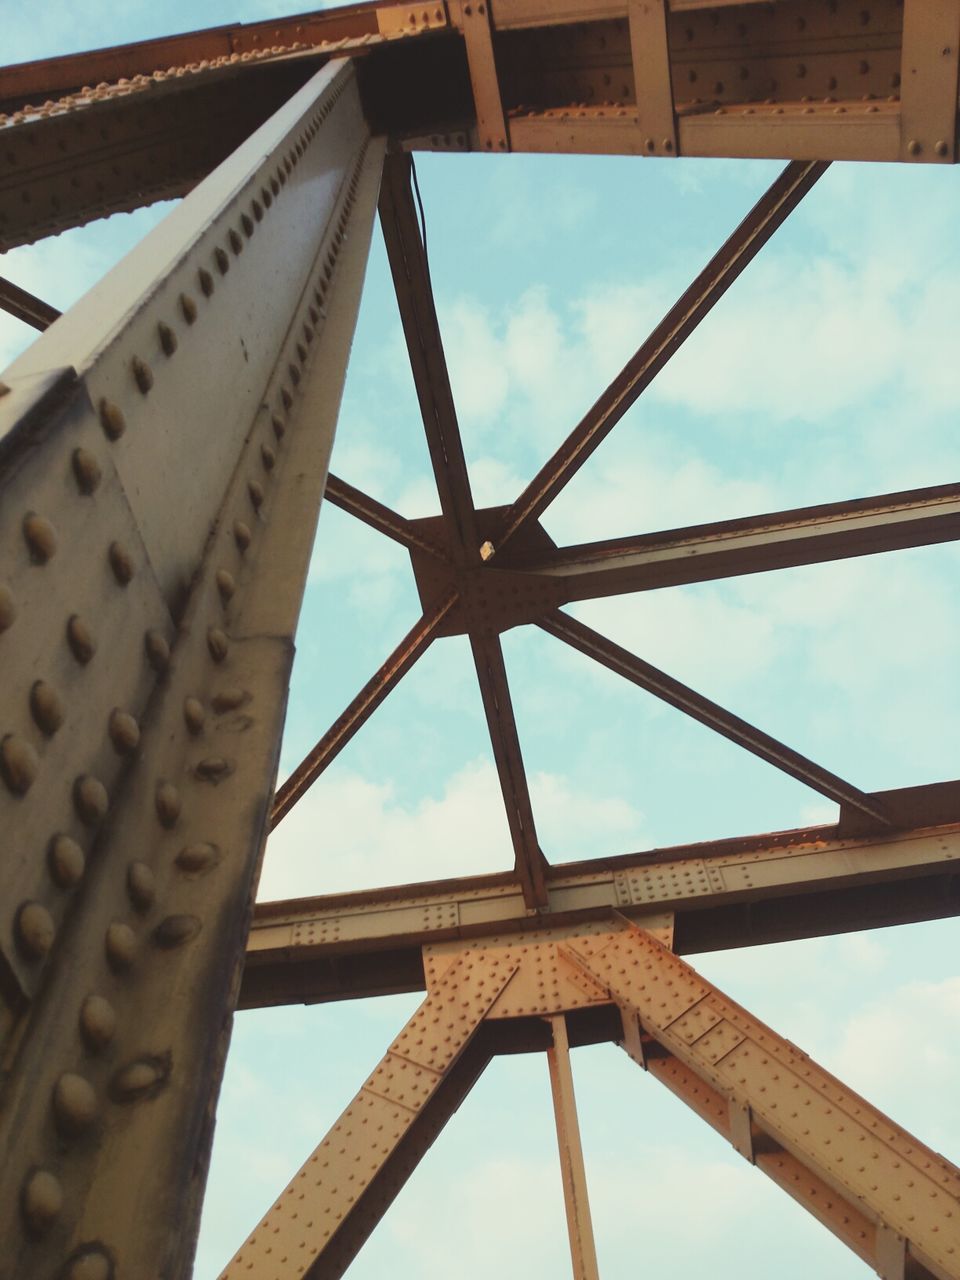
146	660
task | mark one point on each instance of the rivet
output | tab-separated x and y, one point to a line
236	244
65	860
197	857
213	769
141	1079
98	1022
247	222
167	800
8	610
74	1103
257	210
268	456
157	650
275	186
222	260
112	419
226	584
168	339
266	197
279	429
35	930
241	534
89	1262
40	536
90	799
229	700
86	470
80	639
124	731
142	374
188	308
121	562
19	763
307	333
301	352
194	715
120	945
942	148
141	886
217	643
286	398
46	707
206	282
174	931
914	147
255	490
41	1199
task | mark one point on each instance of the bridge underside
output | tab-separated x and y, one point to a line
146	660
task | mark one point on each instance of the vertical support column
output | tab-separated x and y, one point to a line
583	1253
165	451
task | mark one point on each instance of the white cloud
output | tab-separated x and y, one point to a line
351	833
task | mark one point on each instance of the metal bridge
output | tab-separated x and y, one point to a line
146	661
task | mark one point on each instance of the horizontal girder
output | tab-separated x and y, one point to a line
729	893
729	78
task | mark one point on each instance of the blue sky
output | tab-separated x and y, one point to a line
828	372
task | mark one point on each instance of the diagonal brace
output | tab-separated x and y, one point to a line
380	517
648	677
328	1210
497	705
414	644
411	278
770	212
892	1200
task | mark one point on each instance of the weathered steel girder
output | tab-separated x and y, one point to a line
890	1199
89	134
732	893
146	660
146	663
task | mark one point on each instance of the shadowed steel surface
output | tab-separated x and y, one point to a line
25	306
167	646
146	660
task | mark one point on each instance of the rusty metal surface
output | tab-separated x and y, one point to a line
783	1112
883	1193
636	77
337	1178
148	664
729	894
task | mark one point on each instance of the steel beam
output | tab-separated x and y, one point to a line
25	306
872	1183
411	277
730	893
379	517
755	544
583	1251
329	1208
769	213
146	662
414	644
643	674
529	862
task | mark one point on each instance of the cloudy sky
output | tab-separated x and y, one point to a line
828	372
